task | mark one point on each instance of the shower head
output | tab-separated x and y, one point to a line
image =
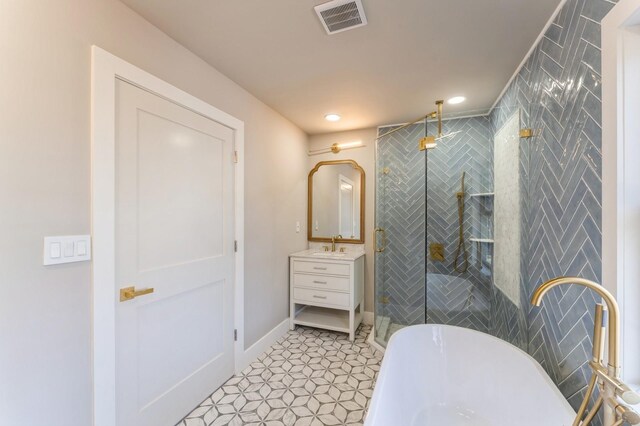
430	142
448	135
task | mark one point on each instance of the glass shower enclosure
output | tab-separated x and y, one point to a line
434	234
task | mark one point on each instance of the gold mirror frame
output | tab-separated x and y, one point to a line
310	236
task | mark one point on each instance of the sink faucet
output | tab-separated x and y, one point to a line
333	241
607	376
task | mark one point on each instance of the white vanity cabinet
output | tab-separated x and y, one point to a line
327	290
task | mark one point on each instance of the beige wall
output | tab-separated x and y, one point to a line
366	158
45	317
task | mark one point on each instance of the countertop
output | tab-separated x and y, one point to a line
310	254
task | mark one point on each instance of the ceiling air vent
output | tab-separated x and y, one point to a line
341	15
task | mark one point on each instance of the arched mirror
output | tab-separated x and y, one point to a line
336	202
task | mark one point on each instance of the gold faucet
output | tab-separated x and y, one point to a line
333	242
608	376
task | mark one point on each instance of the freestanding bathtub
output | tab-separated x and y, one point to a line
438	375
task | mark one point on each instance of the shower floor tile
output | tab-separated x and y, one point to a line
308	378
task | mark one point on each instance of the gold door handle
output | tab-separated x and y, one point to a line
129	293
384	239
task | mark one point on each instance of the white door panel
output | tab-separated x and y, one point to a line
174	233
173	207
178	355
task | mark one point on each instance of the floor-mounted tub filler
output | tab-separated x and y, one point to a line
444	375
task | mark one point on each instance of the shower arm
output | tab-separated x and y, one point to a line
432	115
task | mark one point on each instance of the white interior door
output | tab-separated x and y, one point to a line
174	233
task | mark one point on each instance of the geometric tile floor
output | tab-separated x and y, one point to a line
310	377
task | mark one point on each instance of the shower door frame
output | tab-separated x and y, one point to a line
372	338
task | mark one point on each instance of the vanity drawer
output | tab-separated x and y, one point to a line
319	296
320	268
321	283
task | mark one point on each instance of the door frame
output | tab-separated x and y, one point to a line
105	70
620	174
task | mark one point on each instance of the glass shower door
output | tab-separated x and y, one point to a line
459	214
400	297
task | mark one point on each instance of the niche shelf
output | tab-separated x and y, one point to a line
483	194
481	240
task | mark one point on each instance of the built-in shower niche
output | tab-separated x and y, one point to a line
482	242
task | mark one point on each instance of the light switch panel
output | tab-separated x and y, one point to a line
67	249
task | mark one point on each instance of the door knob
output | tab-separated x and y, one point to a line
129	293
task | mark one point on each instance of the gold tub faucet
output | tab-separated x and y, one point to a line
607	376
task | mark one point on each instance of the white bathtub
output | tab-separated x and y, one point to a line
450	376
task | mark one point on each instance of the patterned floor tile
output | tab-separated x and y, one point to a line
308	378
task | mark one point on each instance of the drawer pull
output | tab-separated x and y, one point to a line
317	268
319	282
319	297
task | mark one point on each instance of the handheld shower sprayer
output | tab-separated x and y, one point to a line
462	245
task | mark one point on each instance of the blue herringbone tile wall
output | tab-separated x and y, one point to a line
559	93
400	210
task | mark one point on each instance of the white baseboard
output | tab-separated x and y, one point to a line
258	348
367	318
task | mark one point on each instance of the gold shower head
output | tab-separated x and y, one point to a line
428	142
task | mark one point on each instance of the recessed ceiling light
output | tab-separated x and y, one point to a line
457	100
332	117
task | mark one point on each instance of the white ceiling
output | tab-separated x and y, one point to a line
411	53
